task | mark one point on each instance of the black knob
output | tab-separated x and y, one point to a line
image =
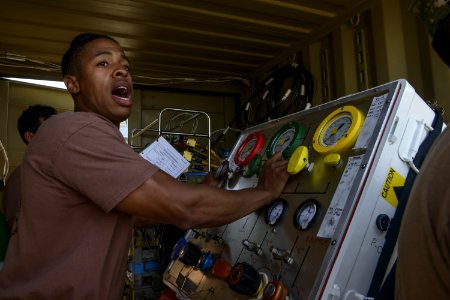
190	254
244	279
382	222
222	170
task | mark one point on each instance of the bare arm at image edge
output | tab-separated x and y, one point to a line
165	200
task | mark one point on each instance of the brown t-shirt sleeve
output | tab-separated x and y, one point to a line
96	162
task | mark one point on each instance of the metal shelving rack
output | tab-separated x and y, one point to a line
136	263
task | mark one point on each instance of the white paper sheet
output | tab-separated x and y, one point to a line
163	155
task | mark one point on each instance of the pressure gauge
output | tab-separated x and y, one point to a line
275	212
251	146
286	140
338	130
306	214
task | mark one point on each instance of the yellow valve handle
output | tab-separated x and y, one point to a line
298	160
332	159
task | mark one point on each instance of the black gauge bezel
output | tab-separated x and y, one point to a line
269	209
314	219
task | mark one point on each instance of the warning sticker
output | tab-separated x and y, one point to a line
393	179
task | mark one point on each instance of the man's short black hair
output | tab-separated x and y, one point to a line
441	40
70	58
32	117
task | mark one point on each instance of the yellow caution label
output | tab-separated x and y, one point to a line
393	179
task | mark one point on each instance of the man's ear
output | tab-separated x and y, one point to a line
72	84
28	136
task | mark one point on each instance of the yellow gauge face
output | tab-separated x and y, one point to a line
338	131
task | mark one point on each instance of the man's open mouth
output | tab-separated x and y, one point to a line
120	91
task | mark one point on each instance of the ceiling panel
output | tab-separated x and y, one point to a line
170	39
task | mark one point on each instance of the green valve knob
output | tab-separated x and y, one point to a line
253	166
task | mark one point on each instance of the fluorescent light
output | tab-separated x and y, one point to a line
55	84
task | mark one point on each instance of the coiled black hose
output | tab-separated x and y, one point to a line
287	90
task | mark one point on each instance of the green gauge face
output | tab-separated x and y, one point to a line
286	140
283	141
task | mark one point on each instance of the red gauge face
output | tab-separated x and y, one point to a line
251	146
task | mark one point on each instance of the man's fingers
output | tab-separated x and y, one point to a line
277	161
277	156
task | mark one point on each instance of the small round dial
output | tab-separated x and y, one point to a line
251	146
306	214
275	212
286	140
338	130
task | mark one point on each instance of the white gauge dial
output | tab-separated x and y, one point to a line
284	140
336	130
306	214
251	146
275	211
248	149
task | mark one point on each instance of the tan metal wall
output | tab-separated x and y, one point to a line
16	97
399	47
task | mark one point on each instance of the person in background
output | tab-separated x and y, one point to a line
85	185
423	263
27	125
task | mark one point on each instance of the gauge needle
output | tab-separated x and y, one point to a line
340	126
334	131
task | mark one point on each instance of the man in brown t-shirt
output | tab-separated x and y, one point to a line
84	185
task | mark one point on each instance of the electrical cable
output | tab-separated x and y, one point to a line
294	89
287	90
5	166
259	100
261	106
